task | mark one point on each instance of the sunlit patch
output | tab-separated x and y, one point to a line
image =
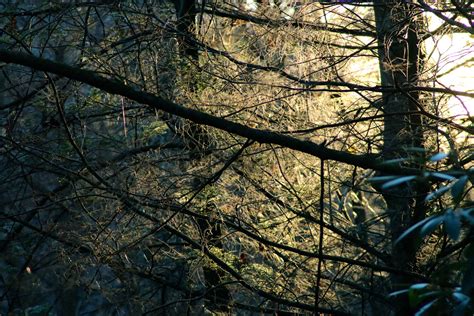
453	54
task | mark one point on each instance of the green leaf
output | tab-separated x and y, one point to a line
437	193
429	294
419	286
457	189
397	181
442	176
382	178
461	297
463	301
468	215
414	293
396	293
452	224
438	157
412	229
431	225
425	308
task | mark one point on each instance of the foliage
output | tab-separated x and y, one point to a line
190	157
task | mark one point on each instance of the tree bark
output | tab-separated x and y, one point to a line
218	296
186	17
398	28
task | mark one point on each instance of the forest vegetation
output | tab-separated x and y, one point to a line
236	157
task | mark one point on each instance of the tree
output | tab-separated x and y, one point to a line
399	30
223	156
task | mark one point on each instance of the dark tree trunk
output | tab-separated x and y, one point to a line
186	17
218	296
398	28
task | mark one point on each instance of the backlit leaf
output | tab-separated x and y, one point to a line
452	225
412	229
431	225
457	189
442	176
397	181
437	193
438	157
396	293
425	308
382	178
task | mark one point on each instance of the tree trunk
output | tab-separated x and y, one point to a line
218	297
398	29
186	17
